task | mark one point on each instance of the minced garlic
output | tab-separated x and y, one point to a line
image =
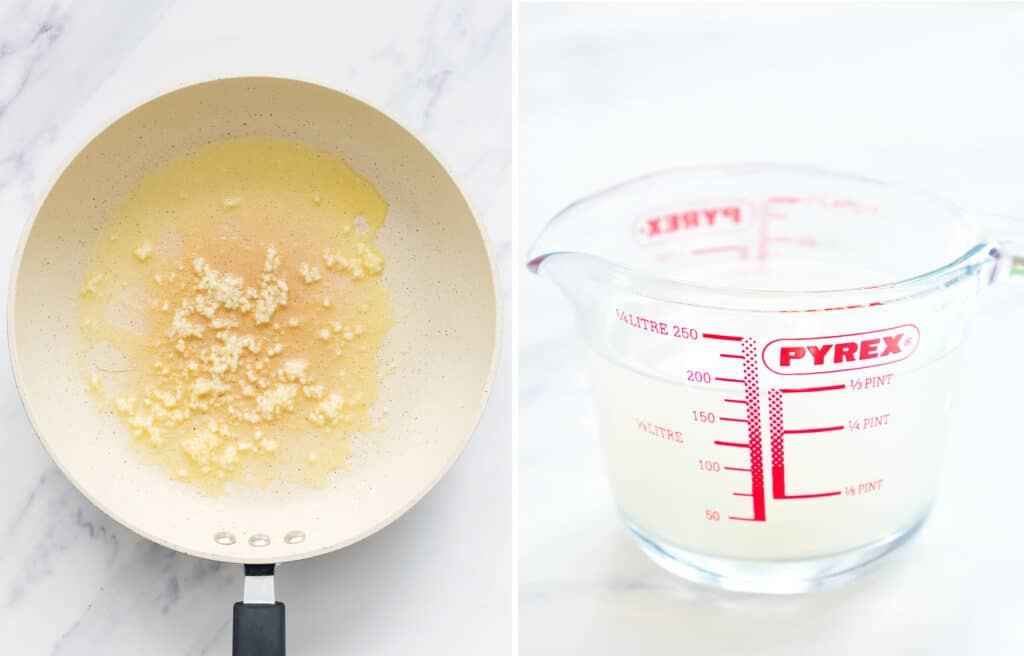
91	286
227	383
143	252
309	274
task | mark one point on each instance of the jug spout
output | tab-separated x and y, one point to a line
581	277
575	250
534	263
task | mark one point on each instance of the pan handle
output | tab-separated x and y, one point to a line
259	619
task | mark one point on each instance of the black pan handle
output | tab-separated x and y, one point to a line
258	628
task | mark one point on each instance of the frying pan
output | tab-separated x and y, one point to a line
443	287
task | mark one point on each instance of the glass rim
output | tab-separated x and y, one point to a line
823	299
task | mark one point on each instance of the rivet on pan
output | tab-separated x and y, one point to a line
294	537
259	540
224	538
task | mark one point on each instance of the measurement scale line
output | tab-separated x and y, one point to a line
730	355
735	401
739	444
742	421
778	431
729	380
825	429
739	469
810	496
799	390
725	338
762	232
742	494
746	519
751	394
742	250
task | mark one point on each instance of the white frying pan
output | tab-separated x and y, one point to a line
442	283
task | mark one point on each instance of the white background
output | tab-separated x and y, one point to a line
930	96
441	580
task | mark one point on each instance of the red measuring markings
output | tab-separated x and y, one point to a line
752	359
823	429
742	251
799	390
724	338
779	431
749	381
825	202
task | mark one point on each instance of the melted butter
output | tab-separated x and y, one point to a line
233	313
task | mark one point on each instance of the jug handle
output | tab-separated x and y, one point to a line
1006	234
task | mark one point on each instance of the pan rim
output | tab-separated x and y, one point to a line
59	172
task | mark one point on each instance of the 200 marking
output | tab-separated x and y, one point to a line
698	376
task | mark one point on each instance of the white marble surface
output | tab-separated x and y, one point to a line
439	581
922	95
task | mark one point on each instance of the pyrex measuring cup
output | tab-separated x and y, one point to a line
772	351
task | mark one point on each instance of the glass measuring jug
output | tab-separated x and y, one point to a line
772	353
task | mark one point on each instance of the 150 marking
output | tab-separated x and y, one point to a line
703	417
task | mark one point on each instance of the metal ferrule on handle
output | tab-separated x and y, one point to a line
258	628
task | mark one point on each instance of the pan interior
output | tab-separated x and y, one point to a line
438	275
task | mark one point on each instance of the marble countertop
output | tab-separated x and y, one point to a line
924	96
439	580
